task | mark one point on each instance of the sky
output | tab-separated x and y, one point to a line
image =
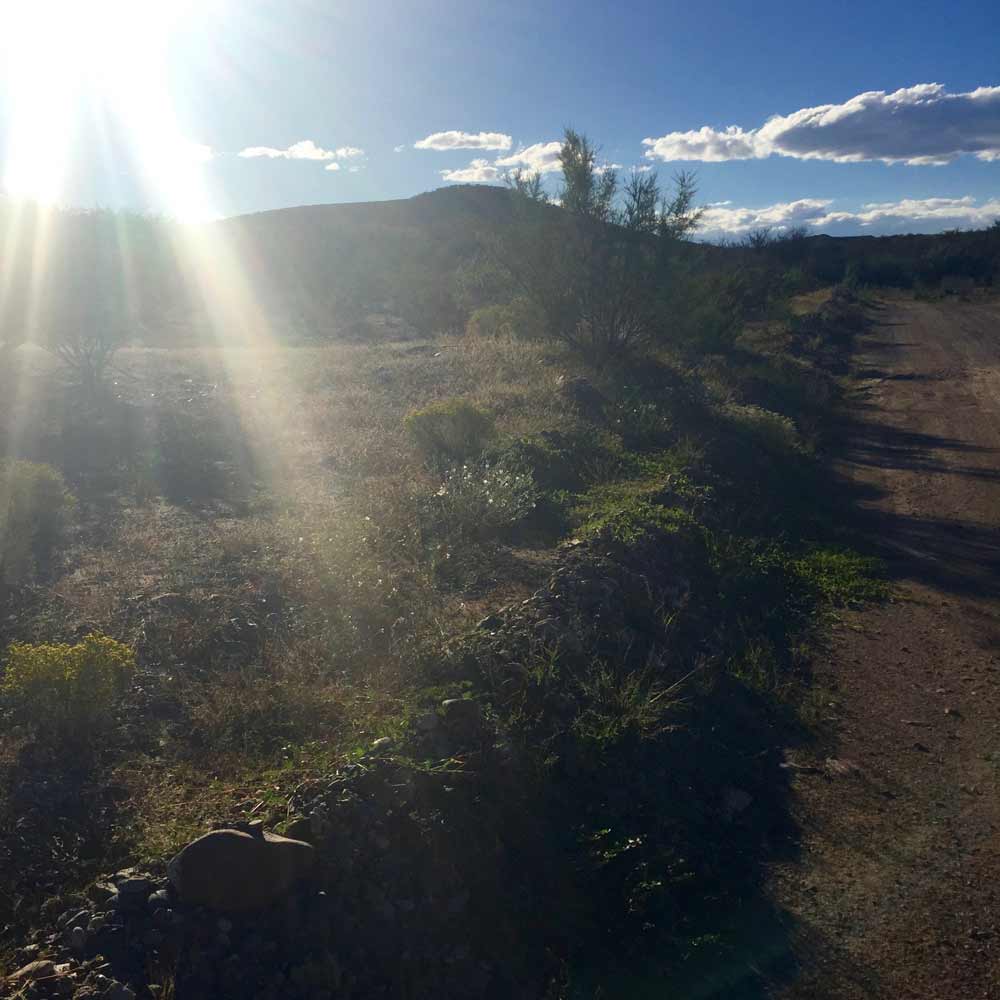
845	118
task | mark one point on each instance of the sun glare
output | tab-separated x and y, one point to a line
62	57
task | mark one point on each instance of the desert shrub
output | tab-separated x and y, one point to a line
519	317
66	692
479	500
34	507
776	433
640	421
449	431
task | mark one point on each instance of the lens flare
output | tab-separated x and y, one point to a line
68	64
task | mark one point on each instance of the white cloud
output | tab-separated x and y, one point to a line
921	125
465	140
720	219
905	215
705	144
306	149
399	149
477	172
332	166
542	157
945	213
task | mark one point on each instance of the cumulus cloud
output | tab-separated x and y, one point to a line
465	140
477	172
920	126
399	149
542	157
721	219
306	149
944	213
332	166
906	215
705	144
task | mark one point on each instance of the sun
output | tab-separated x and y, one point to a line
61	57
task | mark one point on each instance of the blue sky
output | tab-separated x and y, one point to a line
148	104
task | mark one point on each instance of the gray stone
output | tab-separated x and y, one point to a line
100	892
135	888
427	722
81	918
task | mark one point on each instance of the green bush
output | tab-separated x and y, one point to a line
629	513
34	507
450	431
66	691
518	318
479	500
775	433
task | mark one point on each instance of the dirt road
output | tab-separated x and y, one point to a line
896	890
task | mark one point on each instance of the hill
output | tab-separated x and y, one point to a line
321	271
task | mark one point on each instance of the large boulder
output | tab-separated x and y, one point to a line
235	871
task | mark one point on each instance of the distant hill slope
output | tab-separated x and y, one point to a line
325	270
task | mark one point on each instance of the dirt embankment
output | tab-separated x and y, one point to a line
896	891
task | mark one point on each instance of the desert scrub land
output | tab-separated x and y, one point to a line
568	613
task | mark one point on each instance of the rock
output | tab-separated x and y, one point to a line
133	893
463	718
81	918
382	744
42	968
78	939
135	887
233	871
100	892
119	991
427	722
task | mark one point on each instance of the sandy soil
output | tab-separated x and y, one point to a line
896	889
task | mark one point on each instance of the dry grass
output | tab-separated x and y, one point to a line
810	302
277	618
